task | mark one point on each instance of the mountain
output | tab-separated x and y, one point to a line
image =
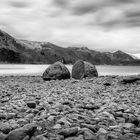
22	51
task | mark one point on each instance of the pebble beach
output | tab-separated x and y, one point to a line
100	108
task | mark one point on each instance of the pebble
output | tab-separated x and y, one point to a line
57	126
5	128
29	116
69	132
93	128
128	125
88	135
21	133
40	137
63	121
31	104
51	118
69	109
102	131
22	121
80	137
2	136
2	116
136	131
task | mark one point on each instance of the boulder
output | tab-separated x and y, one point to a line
21	133
90	70
82	69
56	71
78	70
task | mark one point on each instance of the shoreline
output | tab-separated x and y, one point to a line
40	76
90	108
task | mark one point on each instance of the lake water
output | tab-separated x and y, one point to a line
8	69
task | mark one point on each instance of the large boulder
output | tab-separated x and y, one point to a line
56	71
82	69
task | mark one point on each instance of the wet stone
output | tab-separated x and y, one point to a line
69	132
88	135
128	125
11	115
21	133
5	128
2	136
94	128
2	116
31	104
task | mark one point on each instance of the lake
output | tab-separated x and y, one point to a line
14	69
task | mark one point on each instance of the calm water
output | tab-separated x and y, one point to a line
7	69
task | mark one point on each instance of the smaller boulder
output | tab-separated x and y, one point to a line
56	71
90	70
82	69
78	70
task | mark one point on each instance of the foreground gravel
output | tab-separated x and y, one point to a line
90	109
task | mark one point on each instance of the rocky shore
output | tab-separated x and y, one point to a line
103	108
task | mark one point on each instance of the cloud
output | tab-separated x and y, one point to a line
97	24
19	4
61	3
81	7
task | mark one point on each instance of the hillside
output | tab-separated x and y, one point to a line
21	51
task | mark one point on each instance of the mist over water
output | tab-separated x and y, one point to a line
37	70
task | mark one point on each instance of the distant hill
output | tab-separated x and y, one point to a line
32	52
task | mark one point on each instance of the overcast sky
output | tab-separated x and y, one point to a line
106	25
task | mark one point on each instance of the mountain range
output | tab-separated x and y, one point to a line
17	51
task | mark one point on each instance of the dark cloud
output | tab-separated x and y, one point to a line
125	22
133	13
84	9
132	17
61	3
19	4
91	6
125	1
116	14
133	21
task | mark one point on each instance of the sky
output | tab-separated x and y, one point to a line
105	25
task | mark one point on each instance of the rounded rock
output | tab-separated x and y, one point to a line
90	70
82	69
56	71
2	136
21	133
31	104
78	70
